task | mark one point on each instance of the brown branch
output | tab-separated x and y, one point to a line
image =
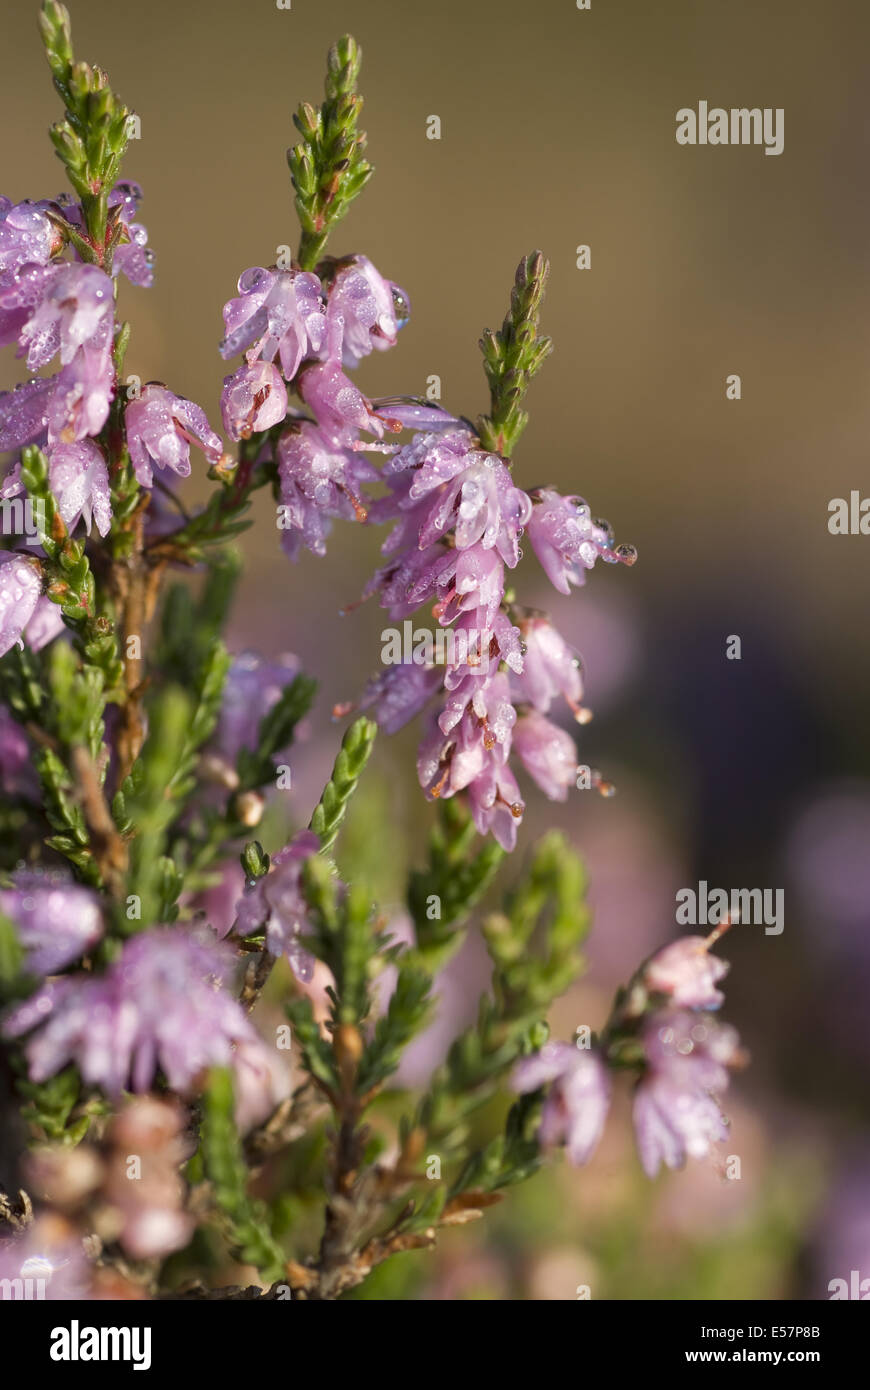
107	844
129	581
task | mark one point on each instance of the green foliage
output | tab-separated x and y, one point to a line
328	169
65	816
454	877
317	1055
11	961
407	1012
49	1106
246	1220
91	140
512	356
256	767
534	946
356	747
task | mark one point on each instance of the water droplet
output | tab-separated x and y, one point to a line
401	306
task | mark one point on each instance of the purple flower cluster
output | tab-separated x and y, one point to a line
53	304
458	521
165	1003
276	904
56	920
300	329
685	1059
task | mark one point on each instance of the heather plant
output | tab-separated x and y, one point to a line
163	1136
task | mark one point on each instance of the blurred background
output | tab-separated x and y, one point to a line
558	129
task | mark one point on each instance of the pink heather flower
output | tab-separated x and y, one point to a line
548	754
164	1003
496	803
487	703
338	406
253	398
276	902
687	972
153	1222
567	541
279	313
472	756
409	581
46	624
17	774
56	920
131	257
24	413
80	482
261	1083
20	294
550	667
478	648
576	1106
19	595
399	693
49	1251
471	579
414	414
675	1113
320	477
253	686
26	236
372	309
160	430
78	404
75	309
461	489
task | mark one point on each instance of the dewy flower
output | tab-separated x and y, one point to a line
46	624
131	258
56	920
160	430
687	972
399	693
77	305
82	391
26	235
675	1113
80	482
279	313
253	398
276	901
550	667
455	486
338	406
20	294
372	309
567	541
164	1003
24	413
577	1102
319	478
19	594
472	756
548	754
